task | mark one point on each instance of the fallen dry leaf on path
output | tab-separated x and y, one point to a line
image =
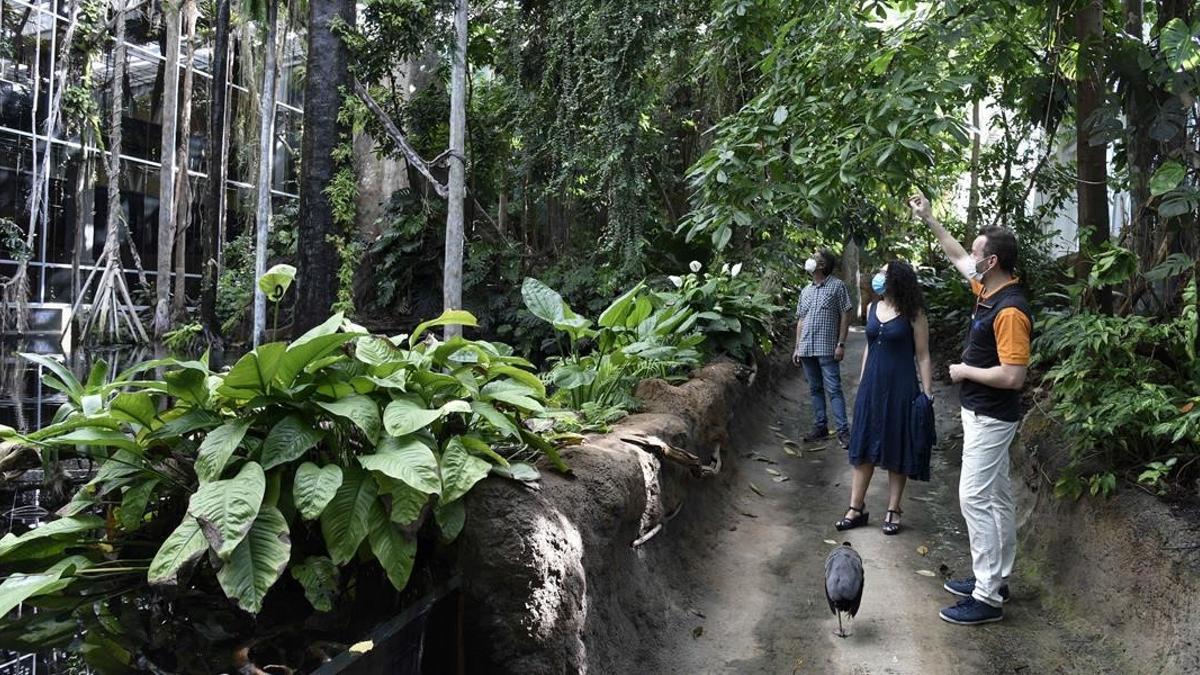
922	550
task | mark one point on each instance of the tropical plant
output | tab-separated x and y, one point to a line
731	312
631	340
313	456
1125	389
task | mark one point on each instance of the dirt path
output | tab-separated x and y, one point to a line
751	600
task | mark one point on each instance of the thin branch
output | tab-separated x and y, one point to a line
398	138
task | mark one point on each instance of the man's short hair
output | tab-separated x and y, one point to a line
827	259
1002	243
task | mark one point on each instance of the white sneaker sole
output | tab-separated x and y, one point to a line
969	623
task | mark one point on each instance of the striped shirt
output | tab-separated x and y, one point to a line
820	307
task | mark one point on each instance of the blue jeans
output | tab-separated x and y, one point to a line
824	374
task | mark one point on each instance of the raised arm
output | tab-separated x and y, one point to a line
958	256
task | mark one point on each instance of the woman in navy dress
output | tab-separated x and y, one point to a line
897	350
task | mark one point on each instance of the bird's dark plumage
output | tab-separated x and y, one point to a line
843	582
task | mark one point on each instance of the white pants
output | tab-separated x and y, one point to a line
986	498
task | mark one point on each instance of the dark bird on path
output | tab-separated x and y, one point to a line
843	582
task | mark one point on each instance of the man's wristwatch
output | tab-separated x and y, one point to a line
841	345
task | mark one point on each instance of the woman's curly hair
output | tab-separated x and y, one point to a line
902	290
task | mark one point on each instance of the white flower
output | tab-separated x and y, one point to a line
678	281
695	266
724	268
737	269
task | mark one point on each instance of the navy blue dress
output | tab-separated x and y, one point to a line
882	433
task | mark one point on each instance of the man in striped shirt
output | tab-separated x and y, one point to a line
823	314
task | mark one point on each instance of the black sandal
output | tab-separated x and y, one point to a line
890	527
856	521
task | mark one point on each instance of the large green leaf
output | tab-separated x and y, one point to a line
314	488
359	409
450	519
38	632
103	654
450	317
460	471
301	356
572	376
19	587
542	301
252	375
319	577
133	504
619	309
116	471
407	460
69	383
522	376
289	440
275	281
12	546
344	521
375	351
1166	178
227	508
512	393
182	547
189	385
70	423
136	408
395	551
258	561
408	414
91	436
501	421
407	503
1179	45
218	447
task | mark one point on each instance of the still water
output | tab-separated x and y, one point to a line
26	404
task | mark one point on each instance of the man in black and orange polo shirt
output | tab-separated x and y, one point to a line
992	373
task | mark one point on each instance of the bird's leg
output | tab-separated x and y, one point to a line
841	631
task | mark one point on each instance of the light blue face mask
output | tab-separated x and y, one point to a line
878	283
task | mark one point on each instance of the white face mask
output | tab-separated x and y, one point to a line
979	274
810	265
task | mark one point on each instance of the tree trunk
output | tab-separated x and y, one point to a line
166	176
266	143
112	306
183	184
327	72
973	195
851	275
452	270
211	228
502	212
1092	157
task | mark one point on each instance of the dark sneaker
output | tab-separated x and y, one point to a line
971	612
844	439
965	587
817	434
